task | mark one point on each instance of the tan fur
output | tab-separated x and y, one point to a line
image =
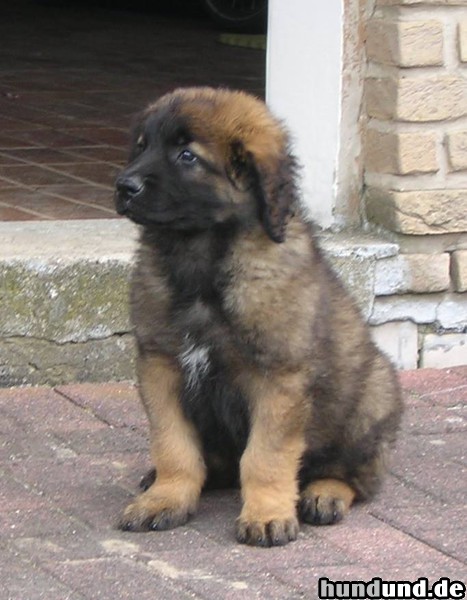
175	448
234	115
269	465
331	498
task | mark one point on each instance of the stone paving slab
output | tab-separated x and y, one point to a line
71	458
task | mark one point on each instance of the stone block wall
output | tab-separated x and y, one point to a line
415	177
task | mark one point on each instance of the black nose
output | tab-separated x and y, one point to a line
129	185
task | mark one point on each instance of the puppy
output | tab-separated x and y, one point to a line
254	365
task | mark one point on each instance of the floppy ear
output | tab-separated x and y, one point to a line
240	170
273	182
277	194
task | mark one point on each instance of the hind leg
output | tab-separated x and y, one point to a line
325	501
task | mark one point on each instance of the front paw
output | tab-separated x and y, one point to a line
153	512
136	519
273	532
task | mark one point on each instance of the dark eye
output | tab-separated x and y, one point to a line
187	157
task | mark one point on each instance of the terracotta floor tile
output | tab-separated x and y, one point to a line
48	120
33	175
63	209
8	213
7	159
102	135
97	172
43	156
53	207
50	138
110	154
20	111
84	192
89	194
56	208
9	141
10	193
12	125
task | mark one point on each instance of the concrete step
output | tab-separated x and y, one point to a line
63	292
64	297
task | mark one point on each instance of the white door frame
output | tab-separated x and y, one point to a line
303	87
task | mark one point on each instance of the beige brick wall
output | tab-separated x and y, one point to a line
417	99
416	108
415	175
405	153
418	212
412	273
457	150
405	43
459	270
415	143
462	32
419	2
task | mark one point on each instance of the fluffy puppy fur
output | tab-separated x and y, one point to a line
254	365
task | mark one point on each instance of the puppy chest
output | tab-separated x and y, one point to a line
200	331
211	400
195	361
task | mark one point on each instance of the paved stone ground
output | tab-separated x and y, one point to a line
71	458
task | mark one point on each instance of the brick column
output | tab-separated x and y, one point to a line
415	163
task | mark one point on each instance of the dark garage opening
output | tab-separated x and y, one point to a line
72	76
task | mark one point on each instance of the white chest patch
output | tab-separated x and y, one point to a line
195	363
